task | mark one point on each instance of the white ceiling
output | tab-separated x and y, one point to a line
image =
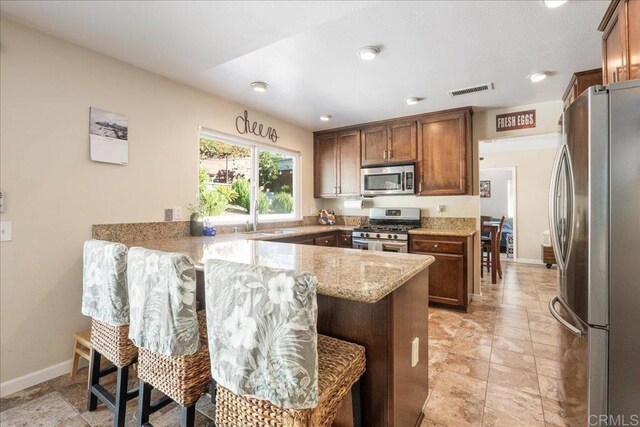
307	51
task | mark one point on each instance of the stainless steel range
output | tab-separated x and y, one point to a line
388	230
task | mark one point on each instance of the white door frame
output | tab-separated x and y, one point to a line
514	175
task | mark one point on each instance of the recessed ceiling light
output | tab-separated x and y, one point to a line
325	117
413	100
367	53
259	86
552	4
538	77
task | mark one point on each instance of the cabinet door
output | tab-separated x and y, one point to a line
349	163
633	37
446	279
374	145
444	144
614	48
403	142
325	166
344	240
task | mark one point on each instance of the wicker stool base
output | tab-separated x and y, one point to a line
182	378
340	365
113	343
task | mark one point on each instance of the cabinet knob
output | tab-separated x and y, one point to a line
435	246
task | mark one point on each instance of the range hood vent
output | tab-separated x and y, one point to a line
472	89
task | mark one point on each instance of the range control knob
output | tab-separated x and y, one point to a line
395	236
378	236
388	236
361	234
366	235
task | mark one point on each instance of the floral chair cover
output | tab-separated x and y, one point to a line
162	295
104	282
261	325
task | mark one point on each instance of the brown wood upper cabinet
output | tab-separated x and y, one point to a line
445	153
621	41
392	143
337	164
579	82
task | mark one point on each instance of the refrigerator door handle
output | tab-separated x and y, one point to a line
553	194
571	193
566	324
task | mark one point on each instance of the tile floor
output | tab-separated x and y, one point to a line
497	365
500	364
63	402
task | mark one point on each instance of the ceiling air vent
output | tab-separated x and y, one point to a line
472	89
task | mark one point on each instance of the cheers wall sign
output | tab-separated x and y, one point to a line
516	120
244	125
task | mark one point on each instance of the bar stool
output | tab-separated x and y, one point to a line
105	299
270	365
171	336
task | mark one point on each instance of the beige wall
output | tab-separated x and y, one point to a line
54	193
533	172
547	116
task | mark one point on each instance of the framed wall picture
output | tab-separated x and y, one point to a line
485	188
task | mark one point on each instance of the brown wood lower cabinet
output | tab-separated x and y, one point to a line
451	275
329	240
340	238
344	239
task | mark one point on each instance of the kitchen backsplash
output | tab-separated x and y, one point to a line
173	229
449	223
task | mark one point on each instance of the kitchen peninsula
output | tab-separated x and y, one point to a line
376	299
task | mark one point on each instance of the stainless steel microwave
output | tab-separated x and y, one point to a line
387	180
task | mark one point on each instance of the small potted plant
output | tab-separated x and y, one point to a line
196	225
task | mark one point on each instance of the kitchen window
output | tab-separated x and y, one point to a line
242	181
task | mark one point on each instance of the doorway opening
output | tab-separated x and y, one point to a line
497	200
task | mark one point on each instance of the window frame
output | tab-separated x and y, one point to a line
255	146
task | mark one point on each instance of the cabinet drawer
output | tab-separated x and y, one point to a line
325	240
437	246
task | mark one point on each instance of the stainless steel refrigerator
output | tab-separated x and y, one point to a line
594	214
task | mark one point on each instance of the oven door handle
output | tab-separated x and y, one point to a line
394	244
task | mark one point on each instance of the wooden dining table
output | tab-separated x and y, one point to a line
492	229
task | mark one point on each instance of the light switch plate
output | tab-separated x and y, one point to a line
415	351
5	231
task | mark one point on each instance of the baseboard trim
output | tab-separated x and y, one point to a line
476	297
18	384
529	261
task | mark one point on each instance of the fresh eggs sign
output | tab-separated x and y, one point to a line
245	126
516	120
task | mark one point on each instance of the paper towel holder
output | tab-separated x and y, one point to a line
354	203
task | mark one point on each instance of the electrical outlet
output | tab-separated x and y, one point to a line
5	231
177	213
415	351
168	214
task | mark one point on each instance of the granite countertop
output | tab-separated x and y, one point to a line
351	274
444	232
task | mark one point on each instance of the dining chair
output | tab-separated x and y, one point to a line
487	254
170	334
270	365
105	299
